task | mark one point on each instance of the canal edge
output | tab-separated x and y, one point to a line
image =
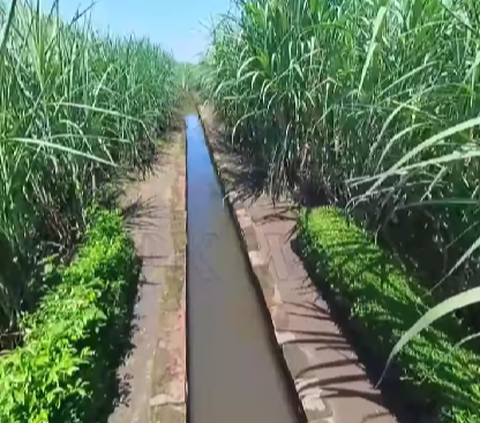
169	396
259	273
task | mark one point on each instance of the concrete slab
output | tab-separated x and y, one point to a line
329	381
154	376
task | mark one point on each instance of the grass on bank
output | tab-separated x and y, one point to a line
342	97
385	302
65	368
373	104
77	110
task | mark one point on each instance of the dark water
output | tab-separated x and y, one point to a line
234	375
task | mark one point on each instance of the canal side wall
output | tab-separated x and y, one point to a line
258	273
324	373
258	268
153	377
168	401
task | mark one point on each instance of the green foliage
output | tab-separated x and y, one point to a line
386	303
335	90
369	103
190	76
77	109
72	341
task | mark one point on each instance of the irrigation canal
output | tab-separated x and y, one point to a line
234	373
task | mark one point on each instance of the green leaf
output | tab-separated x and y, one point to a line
456	302
373	43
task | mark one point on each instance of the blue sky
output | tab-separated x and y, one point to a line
178	25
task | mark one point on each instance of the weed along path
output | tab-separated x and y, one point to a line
152	381
329	380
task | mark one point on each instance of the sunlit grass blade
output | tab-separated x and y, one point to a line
446	307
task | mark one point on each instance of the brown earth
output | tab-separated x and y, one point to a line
153	376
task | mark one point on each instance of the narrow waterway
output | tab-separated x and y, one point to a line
234	374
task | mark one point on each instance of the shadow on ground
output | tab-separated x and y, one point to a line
116	390
250	181
139	213
393	394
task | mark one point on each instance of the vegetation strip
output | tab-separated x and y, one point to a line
66	367
367	103
384	302
78	110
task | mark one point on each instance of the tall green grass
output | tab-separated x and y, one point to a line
77	109
373	104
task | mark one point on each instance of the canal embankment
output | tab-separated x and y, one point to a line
332	384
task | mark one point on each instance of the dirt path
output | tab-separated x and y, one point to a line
153	376
331	382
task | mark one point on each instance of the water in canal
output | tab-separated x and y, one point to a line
234	375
